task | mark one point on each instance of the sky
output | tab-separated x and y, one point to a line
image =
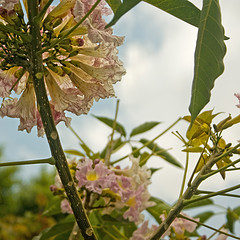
158	55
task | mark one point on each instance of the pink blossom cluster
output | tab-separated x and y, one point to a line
126	188
73	81
8	4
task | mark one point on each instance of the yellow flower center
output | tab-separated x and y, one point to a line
92	176
131	202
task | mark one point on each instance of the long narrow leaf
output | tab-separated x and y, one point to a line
143	128
161	153
122	9
181	9
158	209
209	54
114	4
109	122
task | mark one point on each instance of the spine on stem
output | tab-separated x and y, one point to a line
37	75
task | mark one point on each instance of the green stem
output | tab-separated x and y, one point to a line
221	194
78	137
72	29
190	191
213	194
147	143
40	16
222	169
184	175
27	162
110	145
206	226
37	74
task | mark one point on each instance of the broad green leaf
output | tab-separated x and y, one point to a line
237	210
122	9
74	152
114	226
232	217
109	122
143	128
53	207
231	122
209	54
62	227
114	4
181	9
204	216
144	158
193	149
117	144
158	151
86	149
153	170
158	209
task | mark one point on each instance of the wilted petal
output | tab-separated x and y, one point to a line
92	89
57	117
70	99
7	80
24	108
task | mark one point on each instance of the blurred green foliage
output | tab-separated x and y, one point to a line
23	202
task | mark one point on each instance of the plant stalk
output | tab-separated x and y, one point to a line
37	74
178	207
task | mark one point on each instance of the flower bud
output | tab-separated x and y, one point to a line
73	53
19	73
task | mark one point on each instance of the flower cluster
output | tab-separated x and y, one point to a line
180	225
79	69
117	188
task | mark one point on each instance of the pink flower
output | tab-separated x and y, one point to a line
137	202
8	4
93	178
179	225
238	96
143	232
222	236
65	206
77	72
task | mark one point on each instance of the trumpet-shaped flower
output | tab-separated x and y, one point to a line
78	71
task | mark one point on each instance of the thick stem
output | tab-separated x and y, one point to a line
190	191
37	74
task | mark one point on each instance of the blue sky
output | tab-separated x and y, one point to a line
158	55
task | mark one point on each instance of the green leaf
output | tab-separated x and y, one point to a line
158	209
53	207
153	170
86	149
232	216
60	228
158	151
144	158
109	122
209	54
117	145
74	152
143	128
204	216
181	9
122	9
114	4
